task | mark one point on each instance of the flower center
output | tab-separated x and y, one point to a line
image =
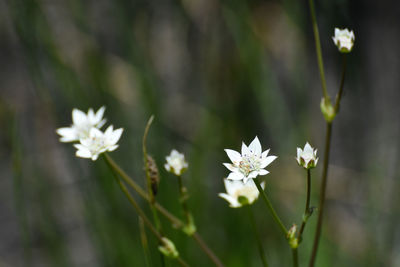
248	164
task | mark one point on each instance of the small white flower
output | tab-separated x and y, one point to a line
250	163
307	157
81	124
237	189
98	142
176	163
344	40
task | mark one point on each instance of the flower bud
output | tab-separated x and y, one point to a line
168	248
344	40
153	174
327	110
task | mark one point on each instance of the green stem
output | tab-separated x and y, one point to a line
138	209
173	219
183	197
295	257
259	241
318	50
340	92
145	243
307	208
323	193
149	184
269	206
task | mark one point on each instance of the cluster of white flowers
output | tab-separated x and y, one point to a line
176	163
249	164
85	129
245	166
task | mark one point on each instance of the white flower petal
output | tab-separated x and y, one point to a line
245	150
83	152
116	135
266	161
232	201
68	134
99	114
263	172
78	117
230	167
234	156
235	176
255	146
265	153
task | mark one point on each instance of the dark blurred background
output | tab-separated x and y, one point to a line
214	74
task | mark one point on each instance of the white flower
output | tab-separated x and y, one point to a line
307	157
344	40
237	189
98	142
250	163
176	163
81	124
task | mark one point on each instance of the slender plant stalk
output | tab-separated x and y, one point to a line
322	193
139	210
307	208
145	243
318	50
149	184
183	197
340	92
270	208
259	241
177	223
295	257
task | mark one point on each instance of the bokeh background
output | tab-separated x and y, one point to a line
214	74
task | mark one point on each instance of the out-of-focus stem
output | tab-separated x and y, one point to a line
183	197
259	241
322	194
148	181
307	208
340	92
318	50
270	208
173	219
138	209
145	243
295	257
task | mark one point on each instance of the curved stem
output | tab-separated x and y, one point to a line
307	208
270	208
139	210
173	219
318	50
323	192
295	257
259	242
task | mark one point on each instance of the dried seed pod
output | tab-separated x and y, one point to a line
153	174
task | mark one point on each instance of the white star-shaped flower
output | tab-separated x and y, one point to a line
237	189
98	142
307	158
82	123
176	163
250	163
344	40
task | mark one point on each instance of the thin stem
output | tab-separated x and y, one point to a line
295	257
145	243
173	219
340	92
139	210
183	196
269	206
149	184
307	208
323	192
207	250
259	242
318	50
